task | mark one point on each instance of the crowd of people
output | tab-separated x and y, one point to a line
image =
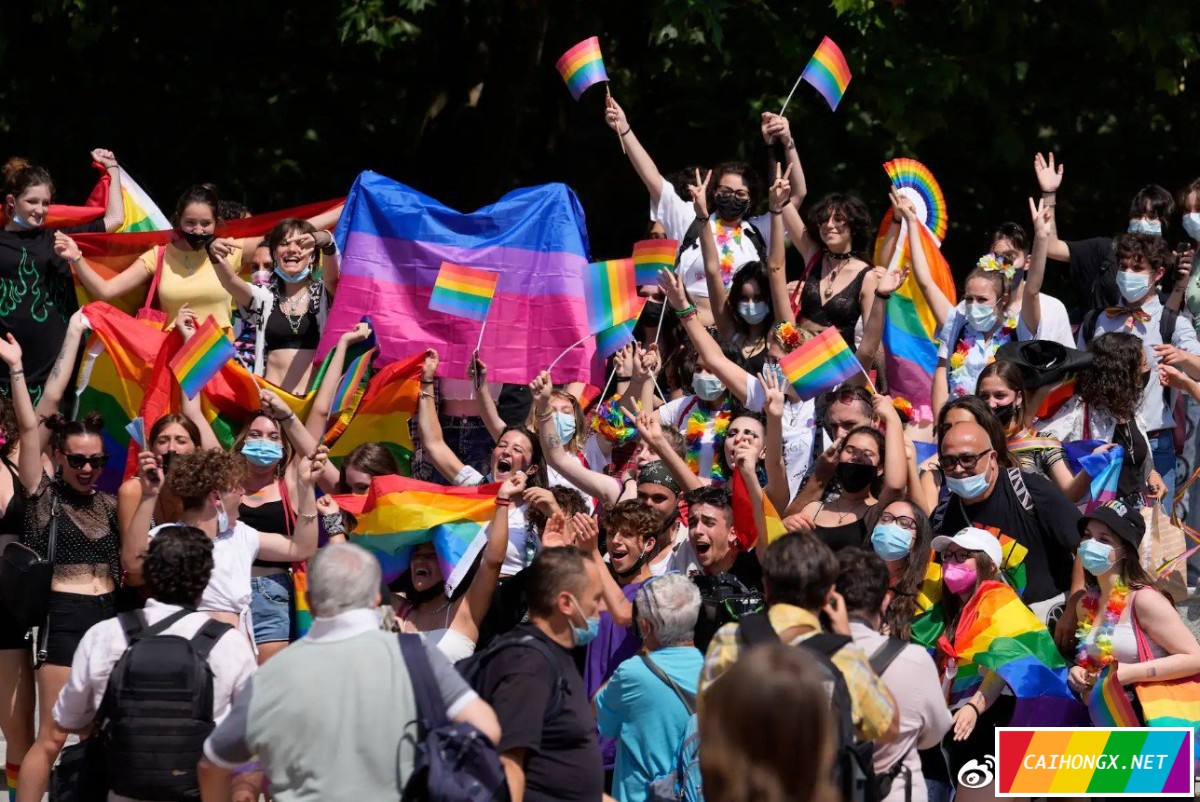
625	632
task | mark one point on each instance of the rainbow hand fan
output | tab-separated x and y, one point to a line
914	181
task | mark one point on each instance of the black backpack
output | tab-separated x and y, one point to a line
158	709
471	668
455	762
692	237
853	768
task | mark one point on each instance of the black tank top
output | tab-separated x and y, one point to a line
267	517
841	311
843	536
13	520
279	333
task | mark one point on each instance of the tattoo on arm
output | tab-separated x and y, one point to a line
1151	672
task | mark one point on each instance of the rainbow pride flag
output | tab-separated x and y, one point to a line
399	513
382	414
141	213
394	241
820	364
582	67
745	518
201	357
614	338
651	256
1108	705
929	622
828	72
611	294
996	632
463	291
302	616
352	380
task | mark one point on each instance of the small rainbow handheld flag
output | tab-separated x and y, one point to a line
828	72
582	66
201	357
652	255
820	364
352	380
463	291
613	339
611	294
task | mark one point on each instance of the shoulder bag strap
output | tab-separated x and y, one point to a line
756	628
206	638
688	699
886	654
52	534
1145	652
144	631
420	673
152	293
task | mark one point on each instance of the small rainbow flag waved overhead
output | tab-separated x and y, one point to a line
352	380
398	514
820	364
201	357
463	291
613	339
651	256
141	213
828	72
611	294
582	66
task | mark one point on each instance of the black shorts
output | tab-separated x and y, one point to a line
981	742
12	636
71	615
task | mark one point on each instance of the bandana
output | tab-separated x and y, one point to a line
657	473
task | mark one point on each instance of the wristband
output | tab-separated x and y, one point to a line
334	523
626	131
307	516
687	310
881	296
502	502
427	383
975	707
775	211
622	378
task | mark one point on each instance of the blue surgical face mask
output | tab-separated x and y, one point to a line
970	488
20	222
222	518
564	426
891	541
1133	286
752	311
772	368
1142	226
1095	556
587	633
296	279
982	317
707	386
1191	224
262	452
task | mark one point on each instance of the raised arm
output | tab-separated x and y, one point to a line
587	481
1049	179
732	376
237	287
318	416
114	207
477	373
777	130
587	540
646	364
60	375
29	461
430	428
1031	302
895	458
717	296
135	535
99	289
778	488
643	165
886	283
302	544
301	439
650	430
478	597
938	302
779	205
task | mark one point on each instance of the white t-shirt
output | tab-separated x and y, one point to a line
981	353
228	589
514	557
799	427
668	563
676	216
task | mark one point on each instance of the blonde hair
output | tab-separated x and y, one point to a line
581	429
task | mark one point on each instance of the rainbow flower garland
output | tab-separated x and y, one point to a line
697	425
725	249
1112	614
959	374
993	264
611	424
788	336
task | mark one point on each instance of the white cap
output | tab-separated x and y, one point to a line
972	539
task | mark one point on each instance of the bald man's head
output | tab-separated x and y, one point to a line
968	461
965	437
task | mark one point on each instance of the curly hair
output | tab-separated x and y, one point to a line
1113	382
749	177
62	428
858	217
632	517
568	499
1153	249
178	564
902	609
194	476
20	175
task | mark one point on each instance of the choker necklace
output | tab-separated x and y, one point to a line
840	257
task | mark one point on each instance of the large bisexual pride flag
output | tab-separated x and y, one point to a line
395	239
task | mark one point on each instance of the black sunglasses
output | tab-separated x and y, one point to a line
967	461
77	461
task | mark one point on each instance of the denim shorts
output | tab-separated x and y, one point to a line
271	607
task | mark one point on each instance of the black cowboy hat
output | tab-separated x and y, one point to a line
1044	362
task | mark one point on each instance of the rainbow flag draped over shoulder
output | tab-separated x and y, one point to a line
929	621
997	633
394	240
399	513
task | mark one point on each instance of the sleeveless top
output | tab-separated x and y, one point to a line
13	520
450	642
267	517
844	536
841	311
278	331
88	533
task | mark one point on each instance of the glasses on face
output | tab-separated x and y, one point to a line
859	455
726	192
967	461
848	396
77	461
955	556
903	521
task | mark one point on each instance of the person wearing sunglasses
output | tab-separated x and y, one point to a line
87	540
1023	510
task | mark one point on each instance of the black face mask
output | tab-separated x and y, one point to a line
198	240
731	207
1007	413
854	476
651	314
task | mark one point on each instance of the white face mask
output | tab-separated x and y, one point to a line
1191	224
982	317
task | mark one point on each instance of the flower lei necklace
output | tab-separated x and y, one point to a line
725	249
1112	614
697	424
960	376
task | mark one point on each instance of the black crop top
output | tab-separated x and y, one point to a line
279	333
88	533
841	311
13	520
267	517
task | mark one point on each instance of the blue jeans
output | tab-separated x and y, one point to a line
271	607
1162	446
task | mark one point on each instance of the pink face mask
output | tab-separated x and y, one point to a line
959	576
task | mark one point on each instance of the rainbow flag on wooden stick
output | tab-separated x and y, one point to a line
651	256
828	72
611	293
400	513
582	66
820	364
463	291
201	357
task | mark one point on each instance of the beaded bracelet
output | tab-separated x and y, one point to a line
687	310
